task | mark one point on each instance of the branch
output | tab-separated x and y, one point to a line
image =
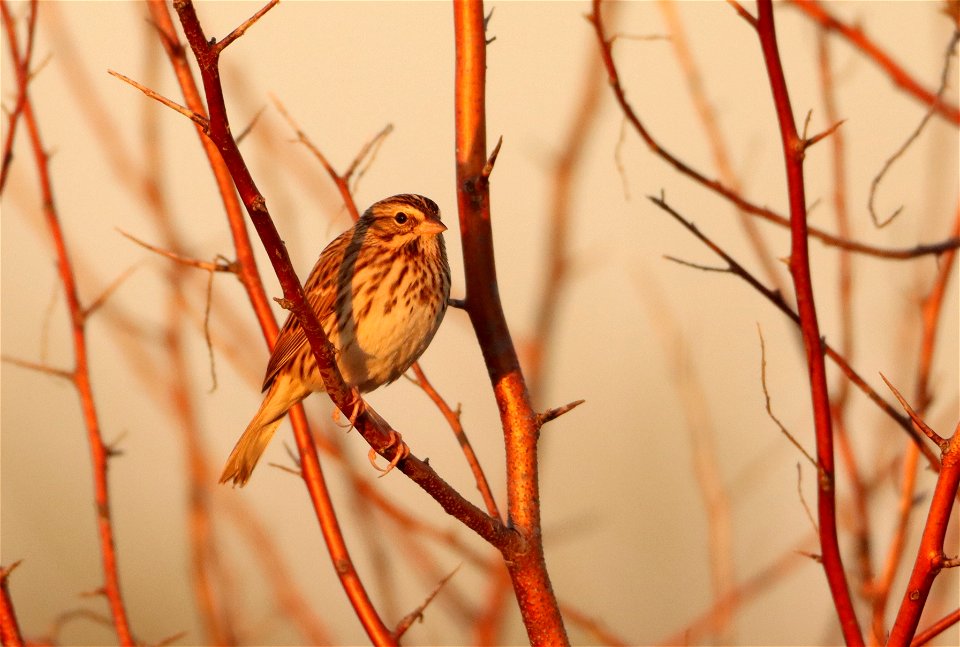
731	195
930	558
195	117
99	453
860	41
936	628
527	567
776	299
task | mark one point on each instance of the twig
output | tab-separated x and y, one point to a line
215	266
417	614
244	26
556	412
195	117
875	183
453	419
36	366
718	145
766	397
918	422
803	500
341	181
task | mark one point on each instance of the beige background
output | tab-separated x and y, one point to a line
624	521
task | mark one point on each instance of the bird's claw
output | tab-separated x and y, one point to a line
400	453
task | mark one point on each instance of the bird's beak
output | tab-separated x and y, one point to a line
432	227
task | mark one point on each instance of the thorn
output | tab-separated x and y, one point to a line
417	614
5	571
552	414
915	417
807	143
488	167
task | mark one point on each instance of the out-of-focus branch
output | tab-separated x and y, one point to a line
453	419
527	567
878	178
99	451
725	191
717	141
557	262
873	52
705	463
22	64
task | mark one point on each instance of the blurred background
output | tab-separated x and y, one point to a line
668	489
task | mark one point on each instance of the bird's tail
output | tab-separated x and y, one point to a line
282	395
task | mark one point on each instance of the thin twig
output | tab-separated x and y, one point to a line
417	614
195	117
453	420
918	422
244	26
766	397
875	183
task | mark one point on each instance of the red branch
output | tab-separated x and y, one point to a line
793	152
930	556
936	628
9	626
527	567
80	376
858	39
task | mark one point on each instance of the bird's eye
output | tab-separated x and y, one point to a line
400	218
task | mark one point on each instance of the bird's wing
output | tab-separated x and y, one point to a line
320	290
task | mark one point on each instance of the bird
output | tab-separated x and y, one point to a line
379	290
